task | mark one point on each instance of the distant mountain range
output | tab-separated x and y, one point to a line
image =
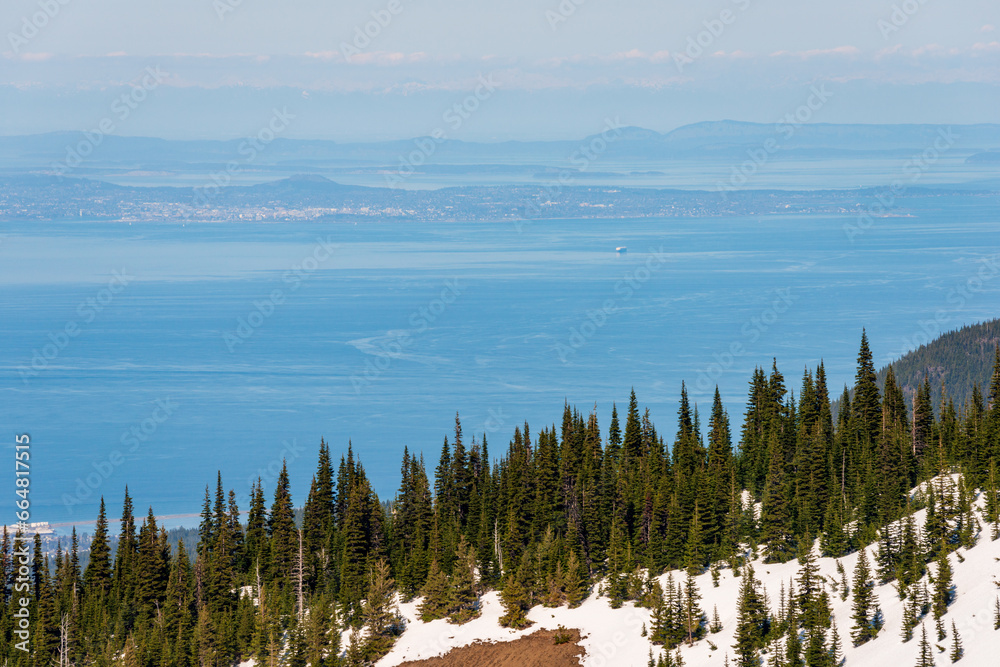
700	140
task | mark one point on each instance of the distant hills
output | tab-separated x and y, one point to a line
956	361
699	140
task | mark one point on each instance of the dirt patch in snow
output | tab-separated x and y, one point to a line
538	649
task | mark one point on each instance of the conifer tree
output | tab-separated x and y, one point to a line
281	530
716	625
923	420
836	650
910	617
693	559
98	573
776	518
992	493
943	587
464	603
613	450
863	606
926	655
377	611
576	583
355	554
866	405
694	617
668	615
752	623
793	650
125	555
956	644
515	603
632	441
812	601
719	467
256	531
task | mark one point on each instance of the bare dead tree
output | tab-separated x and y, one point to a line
64	641
496	544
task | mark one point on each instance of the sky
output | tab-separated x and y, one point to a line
521	69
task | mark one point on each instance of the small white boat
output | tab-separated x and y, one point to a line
621	250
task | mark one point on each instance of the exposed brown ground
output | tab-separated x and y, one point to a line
536	650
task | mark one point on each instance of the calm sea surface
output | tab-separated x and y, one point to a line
232	346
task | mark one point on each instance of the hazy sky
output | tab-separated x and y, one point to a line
556	69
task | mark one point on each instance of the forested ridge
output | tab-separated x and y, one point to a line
951	364
566	512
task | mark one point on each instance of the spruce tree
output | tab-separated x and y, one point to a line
836	650
97	576
793	650
632	441
910	616
515	603
866	405
864	603
776	517
576	583
926	655
956	644
694	617
464	603
812	600
752	623
992	493
436	594
281	530
377	611
661	631
943	587
716	625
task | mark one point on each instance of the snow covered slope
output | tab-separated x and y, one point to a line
612	637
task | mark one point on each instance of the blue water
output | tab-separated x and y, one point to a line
405	324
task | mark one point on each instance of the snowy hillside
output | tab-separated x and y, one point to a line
612	637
